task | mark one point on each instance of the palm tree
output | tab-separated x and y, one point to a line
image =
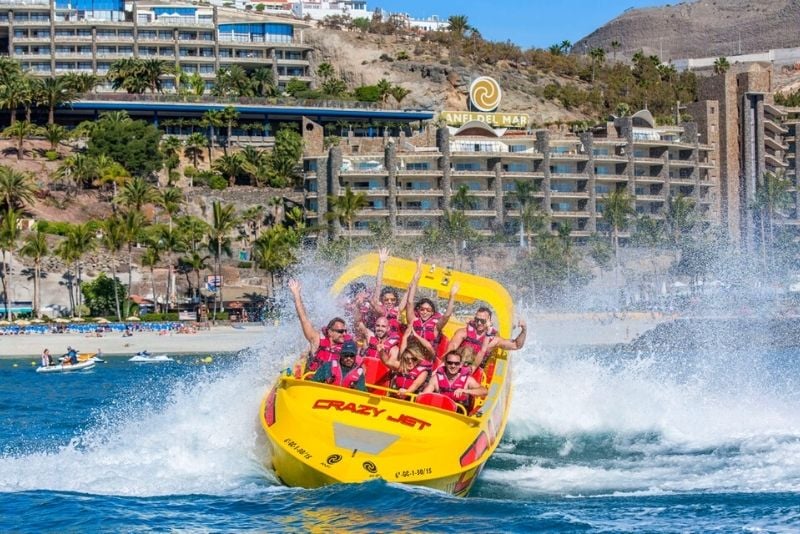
399	93
598	55
230	166
223	221
325	70
113	240
263	82
196	263
171	147
12	92
194	230
523	194
680	217
55	135
16	188
133	223
152	70
771	198
721	65
615	45
345	208
211	120
456	229
9	234
53	92
170	200
194	147
36	248
67	253
170	241
109	171
229	115
136	193
150	258
82	241
458	26
256	164
129	75
618	207
275	251
462	200
81	83
77	169
21	130
384	90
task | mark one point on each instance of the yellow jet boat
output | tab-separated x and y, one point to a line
323	434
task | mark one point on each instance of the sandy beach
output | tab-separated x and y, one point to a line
218	339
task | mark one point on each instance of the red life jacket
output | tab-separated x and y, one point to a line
426	329
327	351
474	339
406	380
371	350
448	388
348	380
393	316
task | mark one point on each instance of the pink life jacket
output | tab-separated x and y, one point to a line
447	388
327	351
348	380
426	329
406	380
371	350
474	339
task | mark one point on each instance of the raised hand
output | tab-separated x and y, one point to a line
454	289
294	286
383	255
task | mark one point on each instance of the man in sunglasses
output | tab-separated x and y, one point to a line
455	381
482	338
326	345
346	372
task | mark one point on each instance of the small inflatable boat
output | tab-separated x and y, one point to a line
145	357
65	368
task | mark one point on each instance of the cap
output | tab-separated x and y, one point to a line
349	347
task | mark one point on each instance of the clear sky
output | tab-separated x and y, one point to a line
528	23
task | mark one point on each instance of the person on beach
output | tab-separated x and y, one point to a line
325	345
47	360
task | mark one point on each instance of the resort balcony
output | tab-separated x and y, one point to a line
410	232
72	39
568	176
647	179
376	192
481	193
419	212
419	193
301	62
115	39
774	160
481	172
775	144
682	163
481	213
81	56
33	56
774	126
569	194
570	214
32	40
706	165
684	180
611	177
422	172
649	198
648	160
603	158
373	212
114	55
521	175
161	23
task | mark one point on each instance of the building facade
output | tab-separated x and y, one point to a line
53	37
410	181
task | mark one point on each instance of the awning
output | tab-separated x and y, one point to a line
17	309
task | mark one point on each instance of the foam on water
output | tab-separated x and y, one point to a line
600	424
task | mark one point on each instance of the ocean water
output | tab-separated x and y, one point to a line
597	441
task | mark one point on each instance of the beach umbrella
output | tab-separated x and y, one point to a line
78	319
62	320
22	322
37	321
102	320
132	318
4	323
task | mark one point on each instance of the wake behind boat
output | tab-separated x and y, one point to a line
65	368
324	434
146	357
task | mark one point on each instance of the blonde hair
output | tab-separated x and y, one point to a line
467	354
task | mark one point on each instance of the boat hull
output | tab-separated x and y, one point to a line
61	368
321	434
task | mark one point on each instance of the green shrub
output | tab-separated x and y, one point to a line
245	265
51	155
402	55
172	316
54	227
218	182
367	93
386	57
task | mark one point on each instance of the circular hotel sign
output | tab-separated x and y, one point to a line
485	94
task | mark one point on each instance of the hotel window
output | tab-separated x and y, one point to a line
206	69
147	35
559	149
377	204
169	52
206	52
418	166
561	206
84	33
125	50
600	152
562	187
125	34
465	166
599	169
562	169
103	67
516	167
517	148
602	188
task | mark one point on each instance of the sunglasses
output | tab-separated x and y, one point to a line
348	355
453	363
339	330
480	321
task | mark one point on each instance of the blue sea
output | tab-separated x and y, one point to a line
597	441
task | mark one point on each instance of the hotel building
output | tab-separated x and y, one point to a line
409	181
52	37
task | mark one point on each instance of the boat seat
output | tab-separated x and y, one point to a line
441	346
375	374
438	400
480	376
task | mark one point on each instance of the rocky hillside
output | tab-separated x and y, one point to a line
437	79
701	28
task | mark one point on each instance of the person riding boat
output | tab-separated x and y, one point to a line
454	380
325	345
47	360
71	356
380	340
422	315
410	369
385	301
345	372
483	338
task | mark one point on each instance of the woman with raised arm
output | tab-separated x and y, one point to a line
422	315
385	300
411	370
